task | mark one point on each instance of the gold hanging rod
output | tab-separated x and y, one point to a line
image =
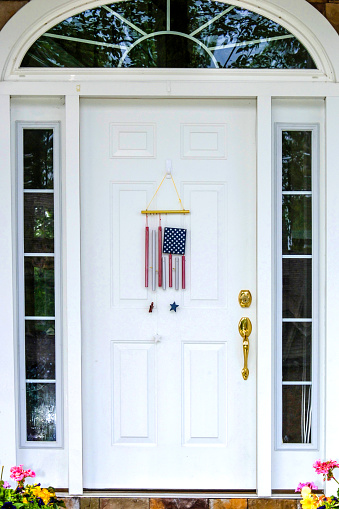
183	211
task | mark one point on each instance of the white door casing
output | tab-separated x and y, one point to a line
172	414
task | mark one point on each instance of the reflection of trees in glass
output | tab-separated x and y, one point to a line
40	412
296	351
296	160
40	349
39	286
281	54
101	37
297	224
168	51
296	425
297	288
38	158
39	222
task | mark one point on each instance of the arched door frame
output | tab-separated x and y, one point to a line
300	18
321	41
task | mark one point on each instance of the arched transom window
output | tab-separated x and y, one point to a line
168	34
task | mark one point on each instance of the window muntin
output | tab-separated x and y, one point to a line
39	284
297	275
168	34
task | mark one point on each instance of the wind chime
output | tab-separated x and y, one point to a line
173	242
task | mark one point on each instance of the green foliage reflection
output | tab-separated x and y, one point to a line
296	160
39	286
39	222
38	158
297	225
113	35
40	349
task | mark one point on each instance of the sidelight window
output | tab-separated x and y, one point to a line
297	275
168	34
39	284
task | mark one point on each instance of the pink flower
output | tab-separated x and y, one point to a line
325	468
310	485
29	473
19	474
6	485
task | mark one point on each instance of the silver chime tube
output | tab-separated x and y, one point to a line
154	258
176	273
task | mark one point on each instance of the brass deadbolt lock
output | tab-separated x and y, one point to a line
245	298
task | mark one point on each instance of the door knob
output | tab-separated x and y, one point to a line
245	329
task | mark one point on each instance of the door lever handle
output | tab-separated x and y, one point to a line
245	329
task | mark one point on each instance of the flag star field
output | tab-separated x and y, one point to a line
174	240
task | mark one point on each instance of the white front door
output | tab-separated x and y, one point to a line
165	403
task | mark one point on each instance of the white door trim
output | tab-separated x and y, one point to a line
265	265
8	283
332	282
73	295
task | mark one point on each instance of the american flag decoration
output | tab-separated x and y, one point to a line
170	241
175	243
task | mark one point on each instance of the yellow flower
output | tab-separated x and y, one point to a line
25	501
309	503
36	491
45	495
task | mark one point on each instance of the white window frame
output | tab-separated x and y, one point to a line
314	444
20	127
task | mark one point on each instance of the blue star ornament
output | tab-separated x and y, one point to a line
174	306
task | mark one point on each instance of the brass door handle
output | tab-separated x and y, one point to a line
245	329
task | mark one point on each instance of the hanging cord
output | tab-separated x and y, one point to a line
175	187
156	192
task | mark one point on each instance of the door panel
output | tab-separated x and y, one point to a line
175	412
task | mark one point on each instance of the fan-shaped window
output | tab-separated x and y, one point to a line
168	34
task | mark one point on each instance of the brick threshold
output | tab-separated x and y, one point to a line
175	494
178	500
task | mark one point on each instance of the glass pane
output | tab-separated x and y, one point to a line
40	349
296	160
297	288
251	41
297	414
168	51
38	158
197	34
297	225
297	351
190	15
40	412
39	222
39	286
